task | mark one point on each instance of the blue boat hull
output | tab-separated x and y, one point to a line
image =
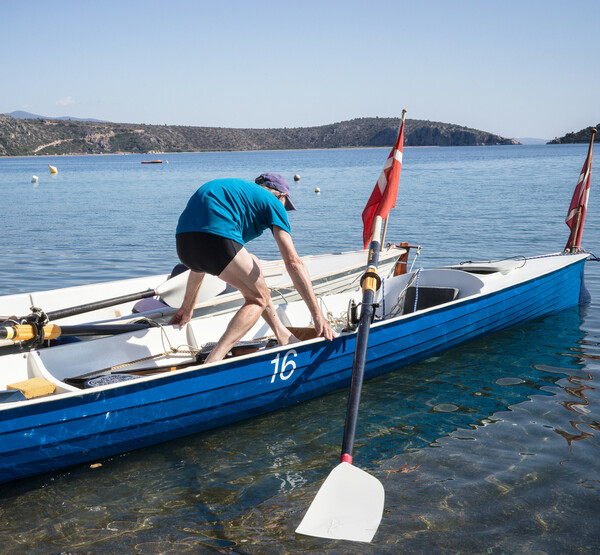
45	436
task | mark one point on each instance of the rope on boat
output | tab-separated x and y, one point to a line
398	306
417	289
524	258
336	322
273	290
595	258
415	258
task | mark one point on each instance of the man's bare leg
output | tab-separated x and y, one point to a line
245	274
283	335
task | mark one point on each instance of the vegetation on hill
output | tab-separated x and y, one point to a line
582	136
50	136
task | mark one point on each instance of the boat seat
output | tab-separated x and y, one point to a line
428	296
148	305
294	314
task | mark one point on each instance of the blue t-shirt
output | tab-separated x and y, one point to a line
233	208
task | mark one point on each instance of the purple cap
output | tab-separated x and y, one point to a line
277	182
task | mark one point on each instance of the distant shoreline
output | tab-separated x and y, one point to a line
271	150
208	152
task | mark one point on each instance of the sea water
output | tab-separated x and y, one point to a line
490	447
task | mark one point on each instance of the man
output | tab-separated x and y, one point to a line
218	220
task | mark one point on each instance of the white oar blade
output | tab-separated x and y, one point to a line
348	506
173	290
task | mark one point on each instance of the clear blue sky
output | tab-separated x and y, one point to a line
528	68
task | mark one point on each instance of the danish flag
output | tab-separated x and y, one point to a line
578	208
383	197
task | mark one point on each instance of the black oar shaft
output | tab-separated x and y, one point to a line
89	307
25	332
100	329
370	284
358	372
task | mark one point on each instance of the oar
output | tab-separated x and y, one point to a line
349	504
172	291
25	332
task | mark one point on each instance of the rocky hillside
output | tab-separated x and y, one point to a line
582	136
49	136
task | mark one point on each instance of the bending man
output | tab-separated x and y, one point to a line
218	220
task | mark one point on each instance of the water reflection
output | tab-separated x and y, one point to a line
462	442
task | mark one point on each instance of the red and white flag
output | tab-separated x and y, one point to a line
578	208
383	197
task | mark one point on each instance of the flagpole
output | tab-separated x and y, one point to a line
384	230
575	232
385	224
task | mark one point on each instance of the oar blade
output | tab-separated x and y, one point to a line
173	290
348	506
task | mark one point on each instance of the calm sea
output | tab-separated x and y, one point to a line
492	447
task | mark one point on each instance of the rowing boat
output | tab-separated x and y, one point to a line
113	394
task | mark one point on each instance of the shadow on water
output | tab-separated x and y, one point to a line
481	439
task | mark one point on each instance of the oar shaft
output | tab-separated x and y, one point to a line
101	329
89	307
370	283
358	372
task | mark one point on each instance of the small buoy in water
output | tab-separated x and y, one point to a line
52	169
317	190
34	178
297	177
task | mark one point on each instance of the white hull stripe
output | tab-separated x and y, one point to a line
382	181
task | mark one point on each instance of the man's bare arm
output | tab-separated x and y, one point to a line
301	280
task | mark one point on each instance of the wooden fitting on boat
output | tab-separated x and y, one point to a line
35	387
402	263
303	334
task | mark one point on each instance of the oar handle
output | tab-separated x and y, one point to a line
26	332
370	283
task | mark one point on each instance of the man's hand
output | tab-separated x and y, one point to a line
184	314
323	328
182	317
301	280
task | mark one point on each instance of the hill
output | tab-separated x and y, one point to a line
19	114
26	137
582	136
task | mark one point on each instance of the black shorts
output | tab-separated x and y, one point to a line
205	252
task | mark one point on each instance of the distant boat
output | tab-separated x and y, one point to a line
152	162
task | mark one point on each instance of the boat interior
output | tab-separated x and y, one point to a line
103	361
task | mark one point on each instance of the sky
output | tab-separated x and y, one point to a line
528	68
